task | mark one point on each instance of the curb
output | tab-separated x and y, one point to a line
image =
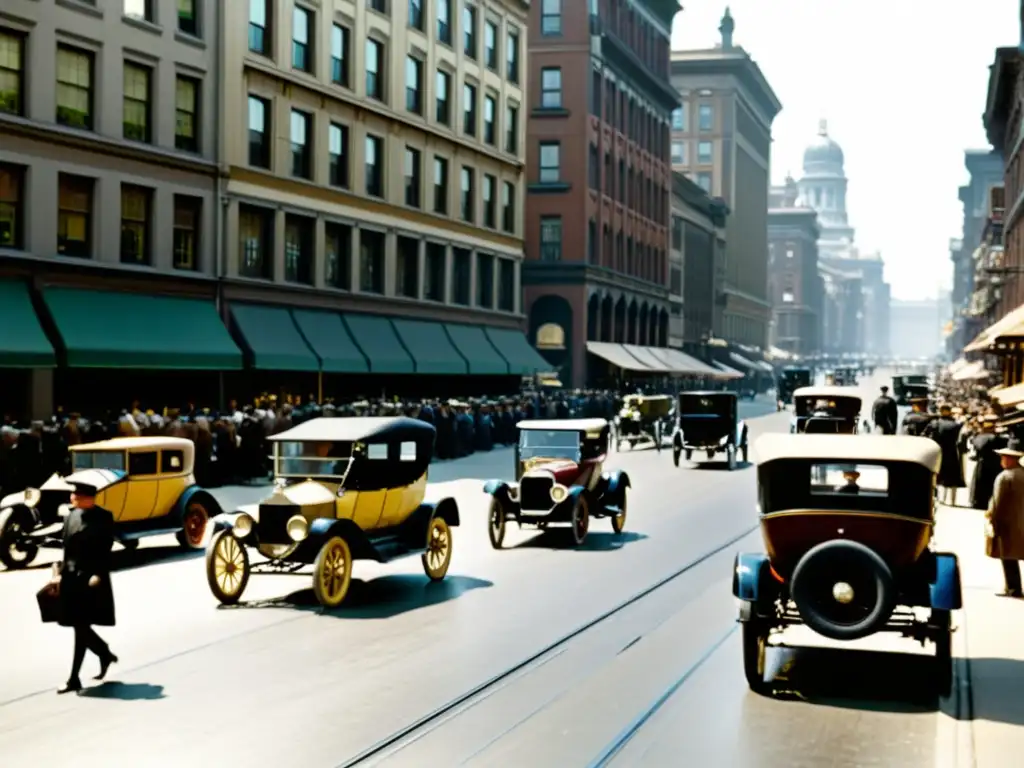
955	748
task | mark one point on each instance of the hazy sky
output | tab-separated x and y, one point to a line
902	84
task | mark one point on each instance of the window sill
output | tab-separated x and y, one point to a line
549	188
549	112
143	24
82	7
187	39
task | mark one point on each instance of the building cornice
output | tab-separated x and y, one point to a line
738	64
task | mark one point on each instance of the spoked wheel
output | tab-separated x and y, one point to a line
332	572
17	550
496	523
730	453
227	567
619	519
580	519
943	651
438	556
193	526
755	650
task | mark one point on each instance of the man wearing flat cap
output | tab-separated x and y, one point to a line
1005	530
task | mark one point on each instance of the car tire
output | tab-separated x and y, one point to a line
730	454
746	451
193	526
227	567
580	523
332	572
619	520
676	453
438	554
17	550
754	636
496	523
688	455
943	638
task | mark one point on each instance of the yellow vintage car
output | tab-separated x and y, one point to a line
147	483
345	489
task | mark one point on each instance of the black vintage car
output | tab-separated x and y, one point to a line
824	410
906	387
709	422
845	376
791	379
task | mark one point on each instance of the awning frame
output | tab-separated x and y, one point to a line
617	355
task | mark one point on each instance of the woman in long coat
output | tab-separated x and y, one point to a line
86	596
1005	535
945	430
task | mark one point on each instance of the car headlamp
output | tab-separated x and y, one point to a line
243	525
32	496
559	493
297	528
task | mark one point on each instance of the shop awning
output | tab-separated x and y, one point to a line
431	349
683	364
481	356
23	344
996	388
729	372
764	365
987	337
522	359
329	338
376	337
616	354
1011	395
972	372
739	359
109	329
649	359
272	339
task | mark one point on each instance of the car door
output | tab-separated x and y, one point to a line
370	503
400	501
143	485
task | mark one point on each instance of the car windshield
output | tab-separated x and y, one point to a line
97	460
702	406
312	459
849	479
549	444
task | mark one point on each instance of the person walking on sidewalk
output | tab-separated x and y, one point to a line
1004	539
987	463
945	430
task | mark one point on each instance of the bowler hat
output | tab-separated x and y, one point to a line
84	489
1013	448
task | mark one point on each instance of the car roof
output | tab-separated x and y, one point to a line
708	393
828	391
564	425
130	443
866	448
648	397
352	428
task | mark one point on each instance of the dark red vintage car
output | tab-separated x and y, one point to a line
560	480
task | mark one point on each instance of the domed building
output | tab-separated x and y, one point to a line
823	188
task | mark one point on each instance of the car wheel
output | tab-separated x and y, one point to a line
227	567
746	453
676	453
730	454
438	555
943	652
688	454
193	526
619	519
580	519
332	572
755	647
496	523
17	550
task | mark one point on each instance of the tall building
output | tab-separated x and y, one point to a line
721	138
598	179
917	328
793	280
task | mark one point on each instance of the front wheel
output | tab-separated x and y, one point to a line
438	556
17	550
730	453
746	452
193	526
496	524
619	518
676	453
227	567
943	638
755	650
580	519
332	572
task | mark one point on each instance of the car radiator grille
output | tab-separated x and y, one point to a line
535	493
272	527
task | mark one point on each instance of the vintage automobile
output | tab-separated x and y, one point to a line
147	483
906	387
709	422
826	409
642	417
847	526
791	379
560	480
345	489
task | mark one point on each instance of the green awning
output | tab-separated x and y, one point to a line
431	349
23	344
108	329
273	340
329	338
376	337
473	344
522	359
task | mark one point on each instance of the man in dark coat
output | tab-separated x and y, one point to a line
945	430
86	596
915	422
884	413
987	462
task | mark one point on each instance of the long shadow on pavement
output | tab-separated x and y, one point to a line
124	691
989	674
561	538
718	466
128	560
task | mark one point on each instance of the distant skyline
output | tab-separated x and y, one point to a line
902	85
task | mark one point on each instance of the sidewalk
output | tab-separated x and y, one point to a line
991	639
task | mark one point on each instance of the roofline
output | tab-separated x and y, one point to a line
682	63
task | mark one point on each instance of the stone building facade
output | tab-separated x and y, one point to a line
794	281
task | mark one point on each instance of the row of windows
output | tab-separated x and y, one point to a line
77	94
681	153
476	205
343	243
76	218
620	18
630	115
629	186
187	13
624	254
705	118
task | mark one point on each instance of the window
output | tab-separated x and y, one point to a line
259	132
371	261
490	106
74	87
490	201
142	463
375	166
407	267
298	249
491	45
301	132
377	452
551	88
512	55
375	69
467	194
841	480
135	221
302	53
703	151
593	170
461	285
469	109
341	40
511	129
187	211
172	461
139	9
549	162
677	233
136	102
485	280
338	255
469	31
442	113
550	238
787	297
407	452
434	272
413	85
679	153
508	207
186	109
259	27
440	186
188	17
337	141
789	253
444	27
380	6
416	14
12	206
506	285
256	242
12	73
705	118
74	216
551	17
704	180
412	177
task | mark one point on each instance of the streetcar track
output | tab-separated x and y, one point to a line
430	722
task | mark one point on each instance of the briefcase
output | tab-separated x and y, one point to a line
49	602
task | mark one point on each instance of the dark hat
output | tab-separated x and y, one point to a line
884	389
1014	448
83	489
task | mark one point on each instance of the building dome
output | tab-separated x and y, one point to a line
823	152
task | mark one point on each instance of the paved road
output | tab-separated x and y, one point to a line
279	681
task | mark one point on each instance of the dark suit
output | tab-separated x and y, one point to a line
885	414
946	432
915	423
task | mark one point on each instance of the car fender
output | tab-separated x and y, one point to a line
496	487
617	482
199	494
324	528
741	433
225	521
29	520
748	574
13	500
446	509
945	590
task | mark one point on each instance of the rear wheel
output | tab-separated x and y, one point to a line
730	453
496	523
193	526
619	519
580	519
438	556
755	650
943	638
676	453
17	550
227	567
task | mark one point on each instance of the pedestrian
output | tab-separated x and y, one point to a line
915	422
884	413
945	430
987	462
86	595
1004	538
